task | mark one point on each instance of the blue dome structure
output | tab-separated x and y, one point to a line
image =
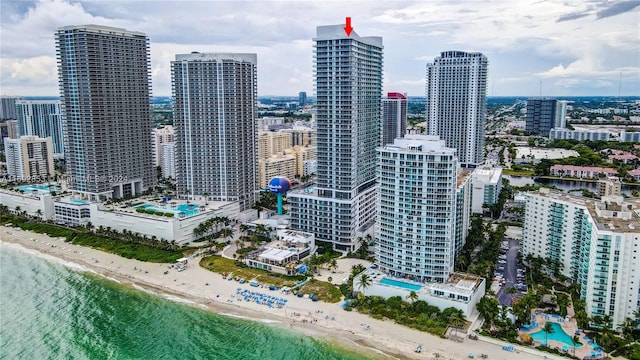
279	185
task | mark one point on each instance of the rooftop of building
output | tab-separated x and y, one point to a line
488	174
545	153
102	29
613	213
335	32
463	176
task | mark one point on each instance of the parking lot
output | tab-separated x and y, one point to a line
509	272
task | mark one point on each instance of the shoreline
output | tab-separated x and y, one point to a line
204	289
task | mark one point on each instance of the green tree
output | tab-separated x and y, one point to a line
364	283
548	329
575	340
413	296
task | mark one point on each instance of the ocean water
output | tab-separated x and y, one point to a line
51	311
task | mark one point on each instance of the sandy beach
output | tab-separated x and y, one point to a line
199	287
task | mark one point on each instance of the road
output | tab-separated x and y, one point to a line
510	270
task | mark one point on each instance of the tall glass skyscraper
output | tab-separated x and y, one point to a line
105	92
42	118
456	95
348	79
215	98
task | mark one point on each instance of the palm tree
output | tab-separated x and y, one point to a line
457	320
575	340
548	329
333	264
412	296
39	212
512	290
365	282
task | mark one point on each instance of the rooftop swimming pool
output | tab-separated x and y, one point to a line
400	284
78	201
38	189
558	335
180	210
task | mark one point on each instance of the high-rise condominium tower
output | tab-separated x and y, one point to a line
215	126
41	118
394	117
349	89
105	93
417	208
544	115
456	111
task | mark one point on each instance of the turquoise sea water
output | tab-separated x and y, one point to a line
48	311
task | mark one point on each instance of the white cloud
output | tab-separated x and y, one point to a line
525	41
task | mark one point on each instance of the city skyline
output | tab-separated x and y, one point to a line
550	48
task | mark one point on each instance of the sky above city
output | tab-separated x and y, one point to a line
548	48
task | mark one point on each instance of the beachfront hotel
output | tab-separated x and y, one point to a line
416	223
597	242
456	96
348	80
105	85
214	112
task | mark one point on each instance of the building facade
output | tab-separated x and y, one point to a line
487	184
29	158
348	78
159	137
544	115
105	84
8	107
596	243
277	165
417	209
272	143
215	126
168	158
456	96
42	118
302	99
630	136
582	135
394	117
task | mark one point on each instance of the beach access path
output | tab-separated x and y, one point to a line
203	288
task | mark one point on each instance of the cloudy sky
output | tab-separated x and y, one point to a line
565	48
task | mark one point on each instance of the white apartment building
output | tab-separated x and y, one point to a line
456	93
160	136
630	136
487	183
417	208
582	135
596	241
29	158
394	117
348	77
168	157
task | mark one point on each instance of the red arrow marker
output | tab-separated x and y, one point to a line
348	27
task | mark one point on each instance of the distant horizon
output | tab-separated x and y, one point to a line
34	97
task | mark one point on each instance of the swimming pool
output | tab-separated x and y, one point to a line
400	284
38	189
557	335
181	210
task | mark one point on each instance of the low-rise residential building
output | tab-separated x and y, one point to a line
487	184
635	174
460	291
596	243
582	135
629	136
283	255
582	172
33	200
74	212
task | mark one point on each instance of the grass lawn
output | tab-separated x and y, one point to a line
325	291
517	173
